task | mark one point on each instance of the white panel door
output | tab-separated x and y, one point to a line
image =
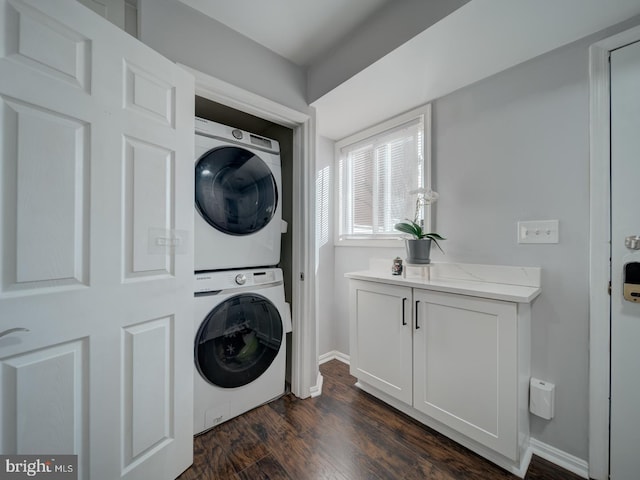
466	366
625	221
96	208
380	337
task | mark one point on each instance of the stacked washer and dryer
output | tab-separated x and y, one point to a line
241	317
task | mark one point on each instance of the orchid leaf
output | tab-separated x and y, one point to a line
410	228
434	236
437	244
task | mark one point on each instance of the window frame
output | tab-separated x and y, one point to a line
424	113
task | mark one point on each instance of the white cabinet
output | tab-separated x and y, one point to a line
380	337
466	366
456	362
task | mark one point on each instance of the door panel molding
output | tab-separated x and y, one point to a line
144	93
46	186
59	375
149	200
68	57
149	379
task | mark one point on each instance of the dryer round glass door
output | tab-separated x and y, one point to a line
235	190
238	340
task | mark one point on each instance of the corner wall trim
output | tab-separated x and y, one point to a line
560	458
316	390
334	355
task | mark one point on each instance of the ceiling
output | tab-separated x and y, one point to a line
299	30
477	40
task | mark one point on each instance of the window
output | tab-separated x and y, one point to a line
376	171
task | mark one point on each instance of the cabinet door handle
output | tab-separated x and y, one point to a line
404	321
13	330
417	326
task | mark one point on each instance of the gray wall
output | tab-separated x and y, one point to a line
326	317
189	37
516	147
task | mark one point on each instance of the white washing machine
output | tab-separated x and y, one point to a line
238	185
241	322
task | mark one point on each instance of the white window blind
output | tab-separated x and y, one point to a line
375	177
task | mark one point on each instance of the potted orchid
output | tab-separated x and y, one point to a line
419	246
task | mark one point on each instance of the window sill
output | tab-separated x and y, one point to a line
379	243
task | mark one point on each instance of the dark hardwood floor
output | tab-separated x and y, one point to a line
343	434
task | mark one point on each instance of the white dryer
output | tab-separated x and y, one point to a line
241	321
238	185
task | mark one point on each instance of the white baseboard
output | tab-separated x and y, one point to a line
560	458
333	355
525	461
316	390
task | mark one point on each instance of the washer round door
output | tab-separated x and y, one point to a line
238	340
236	192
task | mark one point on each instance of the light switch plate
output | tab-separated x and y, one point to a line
538	231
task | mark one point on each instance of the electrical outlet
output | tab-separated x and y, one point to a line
538	231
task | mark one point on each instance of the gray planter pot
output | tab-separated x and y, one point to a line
418	251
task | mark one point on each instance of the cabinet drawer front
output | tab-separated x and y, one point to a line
466	366
380	337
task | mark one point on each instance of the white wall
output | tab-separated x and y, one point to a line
186	36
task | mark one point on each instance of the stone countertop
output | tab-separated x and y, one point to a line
506	283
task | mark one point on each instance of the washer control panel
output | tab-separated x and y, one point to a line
217	281
237	134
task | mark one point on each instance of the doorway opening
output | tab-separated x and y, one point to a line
304	369
217	112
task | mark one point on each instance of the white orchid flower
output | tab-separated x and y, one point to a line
427	196
415	227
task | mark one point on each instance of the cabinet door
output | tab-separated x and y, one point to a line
465	360
380	337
